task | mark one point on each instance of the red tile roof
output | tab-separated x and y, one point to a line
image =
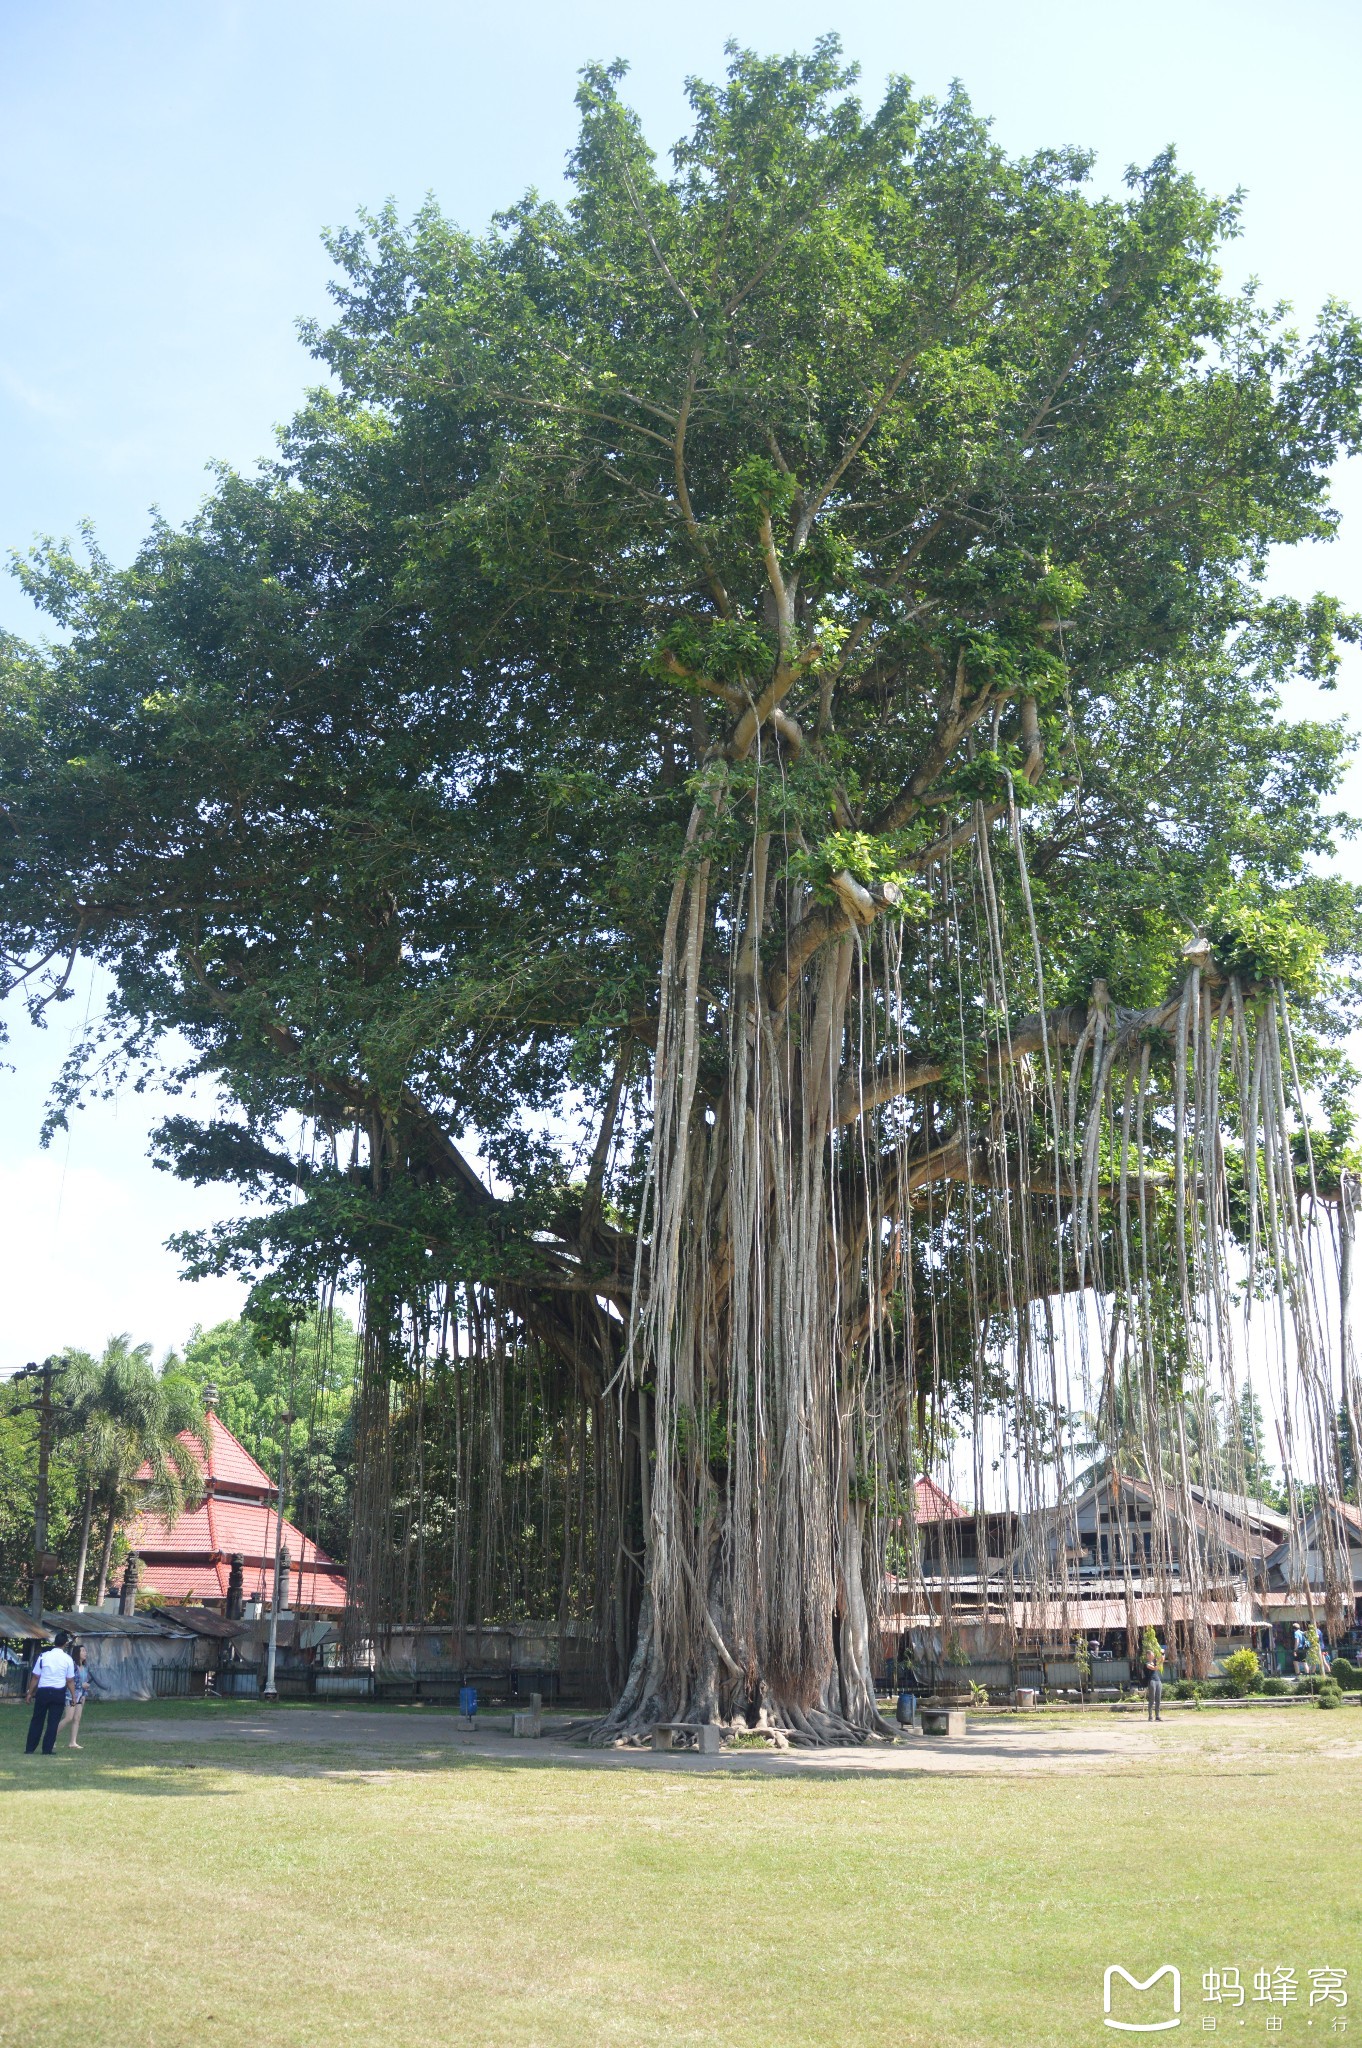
191	1557
933	1504
168	1581
190	1580
229	1466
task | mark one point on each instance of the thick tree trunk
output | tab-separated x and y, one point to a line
756	1611
1349	1194
855	1643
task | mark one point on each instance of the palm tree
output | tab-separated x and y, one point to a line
82	1417
126	1416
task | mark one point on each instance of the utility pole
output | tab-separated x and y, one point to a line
271	1691
43	1374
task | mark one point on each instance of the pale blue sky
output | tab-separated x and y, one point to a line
165	171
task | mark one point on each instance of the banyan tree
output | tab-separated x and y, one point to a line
723	820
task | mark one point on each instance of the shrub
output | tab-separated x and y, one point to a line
1349	1675
1243	1673
1186	1689
1274	1688
1330	1694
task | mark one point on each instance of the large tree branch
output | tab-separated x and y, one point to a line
762	710
697	539
855	445
426	1136
906	1074
827	921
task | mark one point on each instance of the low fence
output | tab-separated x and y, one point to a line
344	1685
441	1685
437	1687
1027	1670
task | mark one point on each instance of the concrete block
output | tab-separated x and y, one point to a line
943	1720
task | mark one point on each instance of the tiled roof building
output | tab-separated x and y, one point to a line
191	1558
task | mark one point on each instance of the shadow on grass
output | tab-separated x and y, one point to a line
54	1775
170	1749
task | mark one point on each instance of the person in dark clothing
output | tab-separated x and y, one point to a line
1153	1679
52	1682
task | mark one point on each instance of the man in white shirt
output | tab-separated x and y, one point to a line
51	1683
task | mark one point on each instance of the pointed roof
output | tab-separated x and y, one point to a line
933	1504
191	1557
229	1466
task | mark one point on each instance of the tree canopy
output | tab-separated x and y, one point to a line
701	574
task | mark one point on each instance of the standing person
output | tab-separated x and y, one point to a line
1153	1678
51	1683
75	1706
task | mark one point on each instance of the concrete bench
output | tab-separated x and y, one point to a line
942	1720
527	1721
707	1738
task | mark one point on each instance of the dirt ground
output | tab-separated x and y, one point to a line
1001	1746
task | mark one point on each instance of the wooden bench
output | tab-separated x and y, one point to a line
942	1720
707	1738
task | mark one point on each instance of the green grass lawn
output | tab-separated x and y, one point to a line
297	1894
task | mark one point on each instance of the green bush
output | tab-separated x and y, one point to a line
1243	1673
1314	1682
1274	1688
1330	1694
1348	1674
1185	1689
1151	1650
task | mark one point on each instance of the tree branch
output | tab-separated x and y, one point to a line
697	539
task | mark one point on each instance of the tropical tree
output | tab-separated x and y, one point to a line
19	1449
311	1374
128	1425
766	662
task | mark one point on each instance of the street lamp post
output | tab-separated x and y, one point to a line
271	1690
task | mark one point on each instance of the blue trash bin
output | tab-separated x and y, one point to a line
468	1702
907	1709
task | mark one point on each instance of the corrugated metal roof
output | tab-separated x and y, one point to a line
94	1621
17	1621
1057	1616
201	1621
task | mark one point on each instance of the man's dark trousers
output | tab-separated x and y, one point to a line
47	1707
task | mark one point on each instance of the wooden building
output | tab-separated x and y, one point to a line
221	1553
